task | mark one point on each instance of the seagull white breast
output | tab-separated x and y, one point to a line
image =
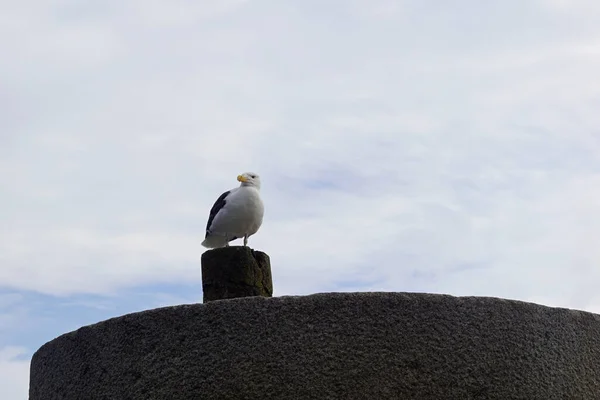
237	213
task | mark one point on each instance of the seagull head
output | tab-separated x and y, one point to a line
249	179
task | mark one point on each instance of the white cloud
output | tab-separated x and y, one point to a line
180	12
451	152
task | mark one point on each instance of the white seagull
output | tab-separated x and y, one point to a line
237	213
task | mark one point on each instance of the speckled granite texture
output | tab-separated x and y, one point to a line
235	271
329	346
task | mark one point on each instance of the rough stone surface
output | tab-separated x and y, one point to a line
329	346
235	271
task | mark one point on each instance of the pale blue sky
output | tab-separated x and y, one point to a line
446	147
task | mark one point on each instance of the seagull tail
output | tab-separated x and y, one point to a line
214	241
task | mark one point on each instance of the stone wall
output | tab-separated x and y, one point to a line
329	346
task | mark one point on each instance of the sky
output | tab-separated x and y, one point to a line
418	146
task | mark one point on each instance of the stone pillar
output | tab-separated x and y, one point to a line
235	271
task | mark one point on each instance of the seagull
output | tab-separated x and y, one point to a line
237	213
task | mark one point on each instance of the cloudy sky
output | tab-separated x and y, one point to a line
445	147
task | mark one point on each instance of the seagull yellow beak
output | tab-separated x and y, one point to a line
242	178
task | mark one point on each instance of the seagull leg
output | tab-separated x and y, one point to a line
245	240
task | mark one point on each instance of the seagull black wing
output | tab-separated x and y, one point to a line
219	204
